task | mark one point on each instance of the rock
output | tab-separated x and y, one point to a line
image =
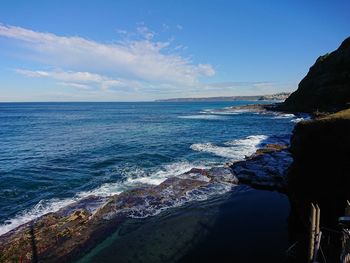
271	148
321	152
265	169
326	87
222	174
64	235
70	232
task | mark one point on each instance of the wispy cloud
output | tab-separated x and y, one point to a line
179	27
235	84
82	80
143	60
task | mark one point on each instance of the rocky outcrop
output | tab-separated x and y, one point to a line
266	169
321	152
326	87
321	169
65	235
320	173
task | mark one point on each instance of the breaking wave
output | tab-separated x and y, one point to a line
236	149
202	117
133	179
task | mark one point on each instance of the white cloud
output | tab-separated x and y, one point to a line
82	80
145	32
75	85
143	60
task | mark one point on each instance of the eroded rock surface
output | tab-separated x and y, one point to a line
62	236
266	169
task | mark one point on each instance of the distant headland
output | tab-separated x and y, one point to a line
271	97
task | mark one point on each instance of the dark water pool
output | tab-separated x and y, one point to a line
245	225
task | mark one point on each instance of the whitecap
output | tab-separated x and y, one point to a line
202	117
226	111
284	116
133	178
236	149
301	119
40	209
165	172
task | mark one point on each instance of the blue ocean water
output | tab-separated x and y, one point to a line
54	153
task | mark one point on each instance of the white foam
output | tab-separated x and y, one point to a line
301	119
40	209
202	117
164	173
134	177
284	116
226	111
236	149
148	208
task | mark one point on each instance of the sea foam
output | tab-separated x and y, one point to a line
236	149
134	178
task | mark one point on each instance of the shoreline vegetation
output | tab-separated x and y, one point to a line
314	168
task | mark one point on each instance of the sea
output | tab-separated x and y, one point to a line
53	154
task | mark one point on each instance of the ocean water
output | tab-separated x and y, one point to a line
53	154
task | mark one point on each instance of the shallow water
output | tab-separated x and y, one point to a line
244	225
53	154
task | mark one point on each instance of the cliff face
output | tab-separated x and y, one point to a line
326	87
321	168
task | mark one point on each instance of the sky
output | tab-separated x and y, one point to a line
93	50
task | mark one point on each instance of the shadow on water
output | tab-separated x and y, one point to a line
33	244
250	228
245	225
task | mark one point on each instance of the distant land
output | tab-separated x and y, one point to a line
277	96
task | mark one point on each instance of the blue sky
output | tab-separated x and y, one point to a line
72	50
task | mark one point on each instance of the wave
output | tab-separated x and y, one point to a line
236	149
284	116
149	208
133	178
305	118
202	117
40	209
226	111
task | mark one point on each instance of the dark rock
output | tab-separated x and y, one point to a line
265	169
321	168
326	87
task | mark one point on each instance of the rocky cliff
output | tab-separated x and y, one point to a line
320	173
326	87
321	153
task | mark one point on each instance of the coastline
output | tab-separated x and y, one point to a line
77	228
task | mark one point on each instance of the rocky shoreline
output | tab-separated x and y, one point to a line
73	230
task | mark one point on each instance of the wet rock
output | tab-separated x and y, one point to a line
65	235
265	169
222	174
